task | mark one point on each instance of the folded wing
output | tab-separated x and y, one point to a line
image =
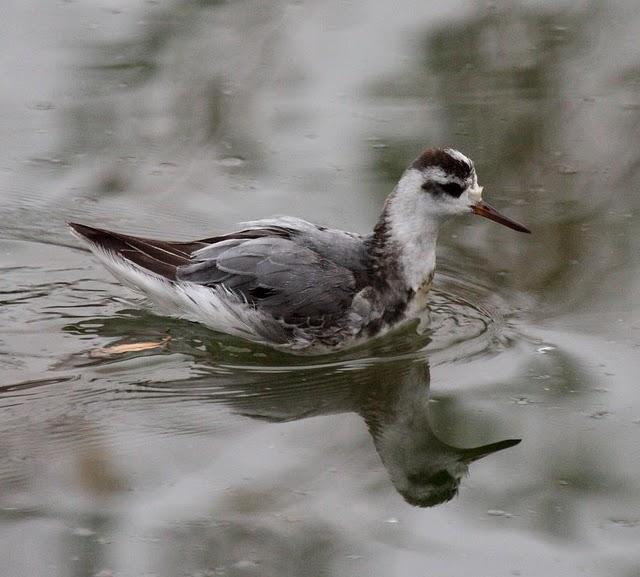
286	280
298	274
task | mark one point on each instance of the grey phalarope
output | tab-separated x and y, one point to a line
291	284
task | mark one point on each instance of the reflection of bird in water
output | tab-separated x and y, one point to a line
392	398
292	284
425	470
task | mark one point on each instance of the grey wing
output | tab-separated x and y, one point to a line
346	248
281	277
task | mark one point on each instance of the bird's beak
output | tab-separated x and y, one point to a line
486	210
469	455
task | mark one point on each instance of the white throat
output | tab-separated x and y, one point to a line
414	229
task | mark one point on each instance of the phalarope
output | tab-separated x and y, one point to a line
295	285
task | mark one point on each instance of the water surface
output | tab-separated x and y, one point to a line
210	456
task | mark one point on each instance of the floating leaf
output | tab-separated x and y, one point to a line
104	352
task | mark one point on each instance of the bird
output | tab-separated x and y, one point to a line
304	288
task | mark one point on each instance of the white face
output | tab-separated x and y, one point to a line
432	192
448	195
450	192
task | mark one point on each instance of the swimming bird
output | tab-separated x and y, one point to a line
306	288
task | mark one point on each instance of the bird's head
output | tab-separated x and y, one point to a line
442	183
434	476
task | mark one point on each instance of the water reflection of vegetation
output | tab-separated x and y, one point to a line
495	79
149	99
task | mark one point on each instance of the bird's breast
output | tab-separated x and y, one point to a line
420	297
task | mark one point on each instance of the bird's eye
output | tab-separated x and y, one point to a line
441	478
426	478
452	189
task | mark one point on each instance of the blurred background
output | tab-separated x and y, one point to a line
209	456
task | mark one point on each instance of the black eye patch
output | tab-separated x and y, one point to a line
425	478
452	189
441	478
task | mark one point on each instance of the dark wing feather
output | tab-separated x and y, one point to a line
163	257
291	274
160	257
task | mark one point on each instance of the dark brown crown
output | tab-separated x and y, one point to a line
439	158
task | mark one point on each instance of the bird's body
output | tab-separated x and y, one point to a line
281	281
292	284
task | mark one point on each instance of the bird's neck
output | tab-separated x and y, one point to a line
403	246
397	398
396	411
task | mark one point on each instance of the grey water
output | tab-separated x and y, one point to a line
209	456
